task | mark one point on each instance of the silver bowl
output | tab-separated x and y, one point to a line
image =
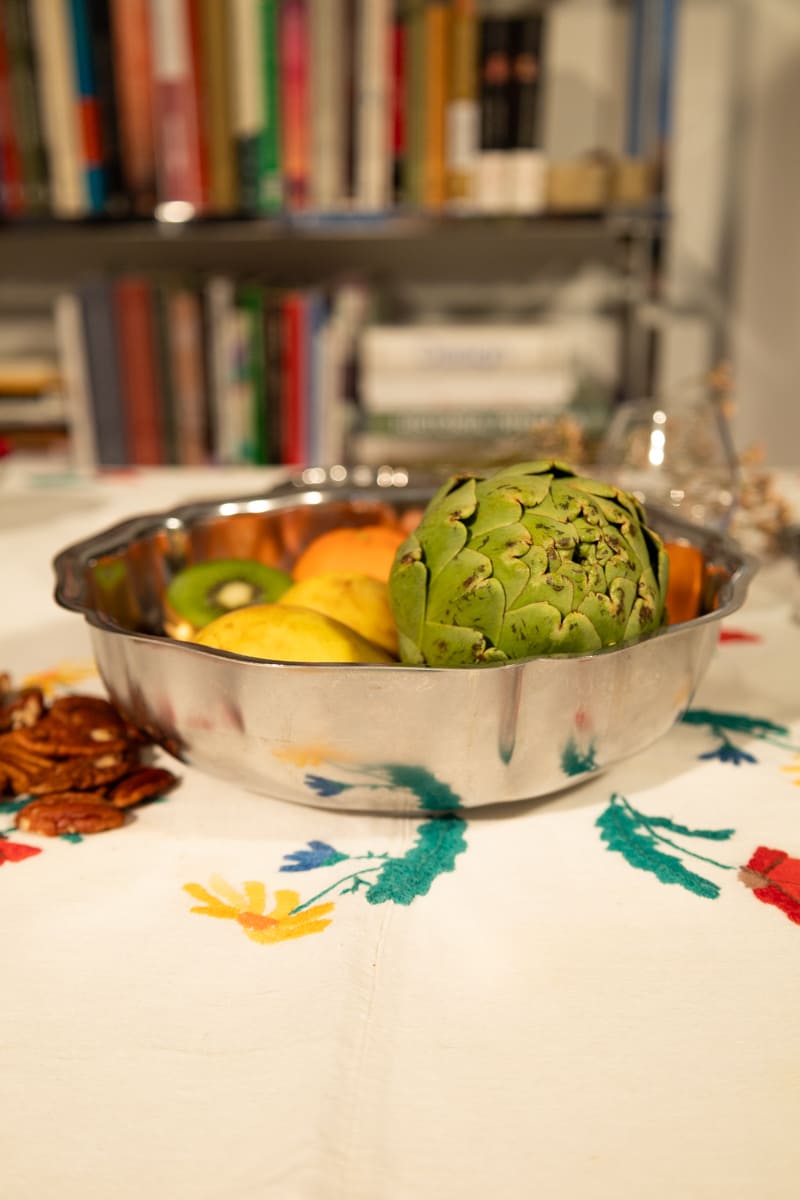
372	737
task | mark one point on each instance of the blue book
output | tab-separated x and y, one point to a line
102	354
314	325
88	105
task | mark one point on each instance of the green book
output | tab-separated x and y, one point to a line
22	80
250	301
270	184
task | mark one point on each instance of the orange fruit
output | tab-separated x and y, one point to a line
685	586
364	550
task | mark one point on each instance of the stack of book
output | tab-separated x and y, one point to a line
263	107
162	371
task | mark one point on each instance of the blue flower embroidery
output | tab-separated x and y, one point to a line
728	753
325	787
319	854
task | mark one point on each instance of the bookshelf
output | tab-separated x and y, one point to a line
399	203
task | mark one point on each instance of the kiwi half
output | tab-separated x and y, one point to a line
201	593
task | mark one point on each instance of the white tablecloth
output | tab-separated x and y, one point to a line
594	996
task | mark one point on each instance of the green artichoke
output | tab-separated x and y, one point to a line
532	560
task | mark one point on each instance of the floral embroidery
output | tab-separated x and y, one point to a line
319	854
283	922
794	769
739	635
723	724
381	878
638	838
430	792
12	852
774	878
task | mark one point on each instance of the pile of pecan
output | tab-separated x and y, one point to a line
78	759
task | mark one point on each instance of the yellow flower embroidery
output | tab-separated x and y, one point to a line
64	674
794	769
247	909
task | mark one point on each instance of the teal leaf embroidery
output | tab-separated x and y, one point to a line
723	724
438	844
401	879
634	835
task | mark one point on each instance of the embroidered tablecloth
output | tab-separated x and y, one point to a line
593	996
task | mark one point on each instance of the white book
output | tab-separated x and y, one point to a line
68	320
538	389
373	146
58	95
584	81
328	116
484	348
246	85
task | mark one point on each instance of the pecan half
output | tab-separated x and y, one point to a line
82	774
23	709
68	812
142	784
57	738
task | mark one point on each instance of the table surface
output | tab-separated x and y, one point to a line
592	996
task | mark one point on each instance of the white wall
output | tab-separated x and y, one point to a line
766	315
736	198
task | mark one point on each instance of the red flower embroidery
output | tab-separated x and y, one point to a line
775	879
16	851
739	635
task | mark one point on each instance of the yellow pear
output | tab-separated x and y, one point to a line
358	601
289	634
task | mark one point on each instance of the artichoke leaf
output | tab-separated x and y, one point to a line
451	646
529	630
506	549
496	510
408	592
609	613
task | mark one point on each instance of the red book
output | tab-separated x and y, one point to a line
12	200
176	107
294	59
139	379
199	84
293	424
133	83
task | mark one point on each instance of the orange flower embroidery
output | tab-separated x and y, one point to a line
247	909
64	674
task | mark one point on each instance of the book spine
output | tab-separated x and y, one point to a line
294	101
435	102
397	134
314	327
481	349
327	101
413	165
273	373
132	69
349	81
13	198
216	109
248	99
539	390
495	135
219	305
374	163
528	167
463	110
270	193
88	107
69	331
161	295
178	154
251	301
104	378
139	382
188	376
57	91
99	20
15	17
294	387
